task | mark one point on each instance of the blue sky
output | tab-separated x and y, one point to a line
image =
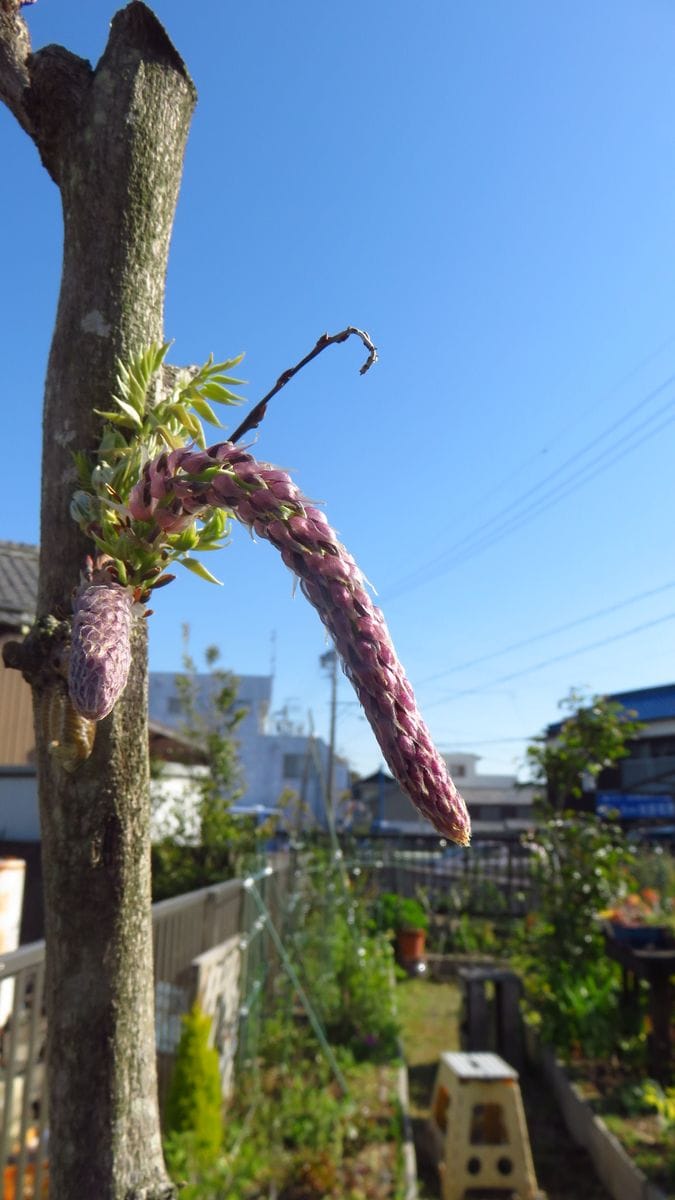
489	189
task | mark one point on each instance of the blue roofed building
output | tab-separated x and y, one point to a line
641	786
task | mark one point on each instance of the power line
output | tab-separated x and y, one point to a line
630	374
517	472
616	637
538	637
583	475
485	534
525	737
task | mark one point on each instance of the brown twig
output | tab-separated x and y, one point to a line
256	414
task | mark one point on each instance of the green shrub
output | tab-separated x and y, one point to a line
579	865
473	935
392	911
347	971
195	1100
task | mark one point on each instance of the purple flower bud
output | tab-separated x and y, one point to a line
100	653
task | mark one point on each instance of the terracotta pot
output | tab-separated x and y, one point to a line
410	945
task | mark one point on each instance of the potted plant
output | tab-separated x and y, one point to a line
408	922
642	919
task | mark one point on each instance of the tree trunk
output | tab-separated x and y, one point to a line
113	139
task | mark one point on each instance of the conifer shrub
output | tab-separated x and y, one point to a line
194	1102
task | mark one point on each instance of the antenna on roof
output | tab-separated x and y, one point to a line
273	653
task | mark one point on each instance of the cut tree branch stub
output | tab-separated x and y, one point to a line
256	414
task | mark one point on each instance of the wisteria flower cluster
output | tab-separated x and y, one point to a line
181	499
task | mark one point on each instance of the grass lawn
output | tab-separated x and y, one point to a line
430	1014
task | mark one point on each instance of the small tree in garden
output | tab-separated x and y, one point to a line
118	419
111	138
580	864
194	1103
593	736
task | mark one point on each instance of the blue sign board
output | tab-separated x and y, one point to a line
634	805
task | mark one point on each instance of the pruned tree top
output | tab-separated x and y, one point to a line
48	90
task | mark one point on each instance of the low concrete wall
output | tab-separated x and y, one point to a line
409	1159
615	1169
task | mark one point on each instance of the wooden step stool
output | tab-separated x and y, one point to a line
478	1125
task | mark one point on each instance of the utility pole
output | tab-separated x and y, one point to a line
330	660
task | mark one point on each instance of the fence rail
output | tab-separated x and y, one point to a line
490	879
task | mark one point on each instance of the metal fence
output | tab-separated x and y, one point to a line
185	929
490	879
23	1108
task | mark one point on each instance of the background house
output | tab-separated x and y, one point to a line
19	817
641	786
497	804
18	593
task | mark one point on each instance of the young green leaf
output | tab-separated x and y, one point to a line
119	419
83	467
204	409
169	438
198	568
227	365
221	395
185	540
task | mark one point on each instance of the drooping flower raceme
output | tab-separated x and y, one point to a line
100	654
182	483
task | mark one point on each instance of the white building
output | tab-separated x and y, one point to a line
497	804
286	768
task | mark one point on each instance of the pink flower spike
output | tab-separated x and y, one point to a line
260	496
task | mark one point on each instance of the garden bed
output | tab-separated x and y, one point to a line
604	1110
300	1138
318	1109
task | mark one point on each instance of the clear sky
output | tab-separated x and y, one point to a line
488	187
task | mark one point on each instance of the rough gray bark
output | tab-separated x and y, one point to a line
112	138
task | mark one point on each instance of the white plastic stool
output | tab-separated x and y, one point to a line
479	1128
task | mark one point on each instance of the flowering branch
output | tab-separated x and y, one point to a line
177	487
145	509
256	414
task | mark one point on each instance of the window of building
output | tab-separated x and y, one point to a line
457	770
293	766
523	812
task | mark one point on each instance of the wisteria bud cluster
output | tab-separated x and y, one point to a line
178	485
100	654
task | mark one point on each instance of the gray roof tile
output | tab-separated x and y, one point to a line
18	584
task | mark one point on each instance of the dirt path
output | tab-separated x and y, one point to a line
430	1013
